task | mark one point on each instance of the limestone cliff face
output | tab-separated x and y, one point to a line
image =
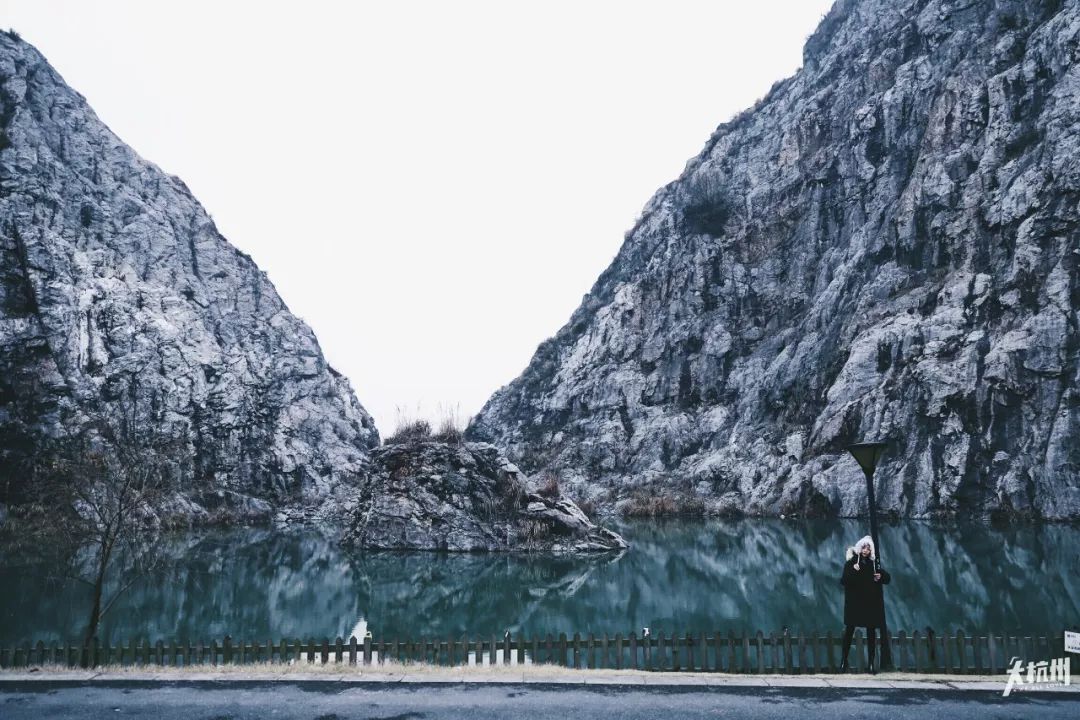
463	497
119	297
886	245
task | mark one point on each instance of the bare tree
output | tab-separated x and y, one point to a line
95	511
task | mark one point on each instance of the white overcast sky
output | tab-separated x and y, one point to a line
432	186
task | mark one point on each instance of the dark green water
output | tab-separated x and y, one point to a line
677	576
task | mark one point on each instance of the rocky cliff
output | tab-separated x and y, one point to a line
119	298
462	497
885	246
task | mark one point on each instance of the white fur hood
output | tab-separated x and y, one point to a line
857	548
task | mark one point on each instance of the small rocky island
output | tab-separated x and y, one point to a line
430	495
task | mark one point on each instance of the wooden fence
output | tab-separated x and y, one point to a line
920	652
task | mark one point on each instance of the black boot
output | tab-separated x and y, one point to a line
849	632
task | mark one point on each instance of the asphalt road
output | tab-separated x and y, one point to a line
332	701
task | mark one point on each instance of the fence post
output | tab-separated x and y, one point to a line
789	665
633	650
961	646
859	659
800	643
732	665
902	642
759	640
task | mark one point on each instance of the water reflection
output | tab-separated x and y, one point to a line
676	576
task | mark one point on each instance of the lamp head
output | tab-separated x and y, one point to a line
867	454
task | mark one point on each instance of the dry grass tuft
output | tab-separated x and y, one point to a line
662	502
549	485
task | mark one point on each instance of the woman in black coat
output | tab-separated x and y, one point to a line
864	604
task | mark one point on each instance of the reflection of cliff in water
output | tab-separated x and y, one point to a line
241	582
258	583
768	574
676	576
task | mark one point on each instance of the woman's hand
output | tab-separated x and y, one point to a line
877	577
855	567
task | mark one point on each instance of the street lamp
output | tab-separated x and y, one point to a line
867	454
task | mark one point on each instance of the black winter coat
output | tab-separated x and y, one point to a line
864	604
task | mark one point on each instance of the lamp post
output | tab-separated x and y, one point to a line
867	454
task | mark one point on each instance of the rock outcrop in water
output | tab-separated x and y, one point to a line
119	298
464	497
886	246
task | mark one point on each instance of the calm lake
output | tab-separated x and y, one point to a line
677	576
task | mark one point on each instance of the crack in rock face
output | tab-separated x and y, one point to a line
120	298
885	246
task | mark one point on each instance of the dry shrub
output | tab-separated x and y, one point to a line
411	431
451	425
586	505
408	428
660	502
535	530
549	485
